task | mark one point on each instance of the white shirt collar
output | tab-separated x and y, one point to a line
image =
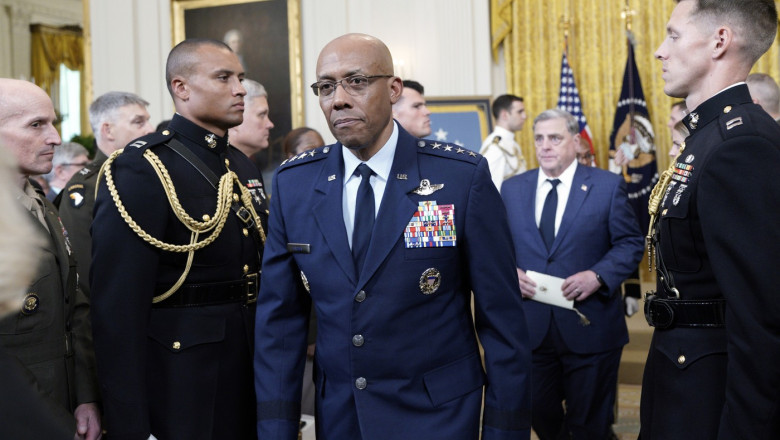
380	163
566	177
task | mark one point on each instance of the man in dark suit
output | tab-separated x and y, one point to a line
713	370
176	241
50	335
388	257
116	119
572	222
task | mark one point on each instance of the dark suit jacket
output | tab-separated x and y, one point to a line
599	232
177	372
418	354
54	341
718	239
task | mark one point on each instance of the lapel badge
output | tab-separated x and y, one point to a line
584	187
400	176
693	122
430	280
426	189
305	282
30	304
736	122
331	177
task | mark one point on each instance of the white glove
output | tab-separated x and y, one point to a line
632	305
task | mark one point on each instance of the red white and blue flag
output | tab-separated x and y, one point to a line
569	100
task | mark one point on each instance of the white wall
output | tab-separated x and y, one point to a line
445	45
16	16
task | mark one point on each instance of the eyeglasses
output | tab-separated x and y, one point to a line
354	85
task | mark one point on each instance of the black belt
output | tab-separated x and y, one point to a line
666	313
209	294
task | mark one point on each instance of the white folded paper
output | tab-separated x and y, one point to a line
548	290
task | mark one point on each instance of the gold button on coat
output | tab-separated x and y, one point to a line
681	359
177	345
246	232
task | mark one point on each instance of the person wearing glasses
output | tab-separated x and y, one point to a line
387	241
69	157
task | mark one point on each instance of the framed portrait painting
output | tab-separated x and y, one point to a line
266	36
461	121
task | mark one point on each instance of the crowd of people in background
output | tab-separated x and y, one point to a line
392	286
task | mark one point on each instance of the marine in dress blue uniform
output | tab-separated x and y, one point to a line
174	324
397	354
713	369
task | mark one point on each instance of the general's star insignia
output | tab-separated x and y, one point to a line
436	146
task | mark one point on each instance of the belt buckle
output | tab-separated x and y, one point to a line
244	215
658	313
251	288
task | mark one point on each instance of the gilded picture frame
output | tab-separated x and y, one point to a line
269	47
462	121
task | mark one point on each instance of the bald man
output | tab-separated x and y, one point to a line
50	334
176	245
388	244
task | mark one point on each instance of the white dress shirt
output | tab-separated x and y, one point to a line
380	164
564	188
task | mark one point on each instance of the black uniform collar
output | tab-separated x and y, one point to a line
712	108
198	135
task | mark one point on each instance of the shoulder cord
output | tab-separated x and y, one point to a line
216	222
654	204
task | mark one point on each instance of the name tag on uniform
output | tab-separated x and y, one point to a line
432	225
299	248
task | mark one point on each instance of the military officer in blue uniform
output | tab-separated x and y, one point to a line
713	370
177	242
388	258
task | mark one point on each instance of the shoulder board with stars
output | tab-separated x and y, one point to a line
150	140
451	151
306	157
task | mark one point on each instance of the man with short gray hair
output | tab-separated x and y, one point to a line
252	136
116	119
577	342
68	158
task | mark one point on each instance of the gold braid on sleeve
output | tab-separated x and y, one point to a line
214	223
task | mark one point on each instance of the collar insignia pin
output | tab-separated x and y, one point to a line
211	140
400	176
331	177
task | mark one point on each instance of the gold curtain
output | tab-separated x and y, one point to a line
52	46
532	39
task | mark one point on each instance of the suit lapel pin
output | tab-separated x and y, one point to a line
426	189
400	176
584	187
331	177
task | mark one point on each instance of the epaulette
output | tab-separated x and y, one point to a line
447	150
306	157
151	139
735	121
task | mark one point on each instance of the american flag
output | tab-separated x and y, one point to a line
569	100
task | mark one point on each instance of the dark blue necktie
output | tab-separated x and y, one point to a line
364	216
547	222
